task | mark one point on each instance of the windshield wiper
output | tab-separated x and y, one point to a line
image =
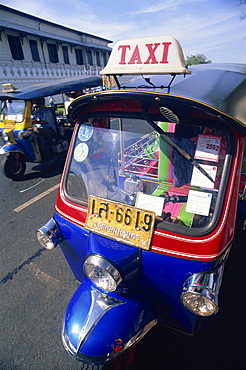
168	114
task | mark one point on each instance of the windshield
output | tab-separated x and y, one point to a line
126	160
12	110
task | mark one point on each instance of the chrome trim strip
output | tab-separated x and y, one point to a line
66	342
136	338
100	304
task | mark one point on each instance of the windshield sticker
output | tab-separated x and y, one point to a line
11	117
199	179
199	202
150	203
208	148
85	132
19	118
81	152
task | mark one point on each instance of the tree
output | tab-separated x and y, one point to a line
196	59
243	3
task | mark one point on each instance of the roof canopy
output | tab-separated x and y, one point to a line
214	88
54	88
221	86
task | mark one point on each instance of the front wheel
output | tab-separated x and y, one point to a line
124	362
90	367
14	166
115	365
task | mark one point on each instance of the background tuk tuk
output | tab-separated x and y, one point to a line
16	121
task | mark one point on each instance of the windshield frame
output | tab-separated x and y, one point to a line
169	227
10	101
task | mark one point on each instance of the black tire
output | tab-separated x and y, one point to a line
124	362
13	167
84	366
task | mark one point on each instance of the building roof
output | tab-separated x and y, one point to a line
46	35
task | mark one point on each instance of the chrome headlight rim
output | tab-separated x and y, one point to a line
97	268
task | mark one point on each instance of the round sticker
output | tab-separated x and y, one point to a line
85	132
81	152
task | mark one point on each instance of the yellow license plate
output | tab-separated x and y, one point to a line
120	221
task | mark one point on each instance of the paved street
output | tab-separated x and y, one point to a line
36	286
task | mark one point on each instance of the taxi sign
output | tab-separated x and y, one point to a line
162	55
8	87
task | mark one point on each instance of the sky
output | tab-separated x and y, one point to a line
210	27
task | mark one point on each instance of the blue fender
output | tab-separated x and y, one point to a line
10	148
98	327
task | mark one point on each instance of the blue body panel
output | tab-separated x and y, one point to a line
151	274
26	145
23	146
123	321
9	148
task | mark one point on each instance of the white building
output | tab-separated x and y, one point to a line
34	50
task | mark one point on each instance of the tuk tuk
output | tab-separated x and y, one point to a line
18	131
146	210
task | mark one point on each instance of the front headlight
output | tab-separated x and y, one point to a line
5	136
200	292
45	240
23	134
20	135
199	304
102	273
49	235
